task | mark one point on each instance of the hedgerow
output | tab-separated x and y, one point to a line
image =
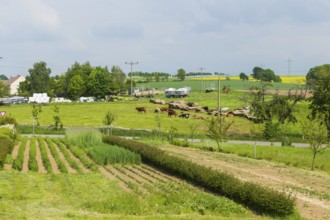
260	199
6	146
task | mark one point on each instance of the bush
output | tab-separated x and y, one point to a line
257	198
6	147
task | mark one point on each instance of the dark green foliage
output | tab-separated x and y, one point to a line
6	146
319	81
257	198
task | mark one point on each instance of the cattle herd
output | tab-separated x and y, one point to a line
173	107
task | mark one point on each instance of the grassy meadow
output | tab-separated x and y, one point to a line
91	114
291	156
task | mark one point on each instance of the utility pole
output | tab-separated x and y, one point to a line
131	63
201	71
289	65
219	107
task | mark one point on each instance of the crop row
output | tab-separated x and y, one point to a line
50	150
18	162
257	198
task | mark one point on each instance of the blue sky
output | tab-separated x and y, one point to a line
229	36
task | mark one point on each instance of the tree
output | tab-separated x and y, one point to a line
57	120
274	111
319	81
69	88
317	72
257	71
217	129
315	132
243	76
76	87
265	75
117	77
4	90
99	83
3	77
39	79
181	74
108	120
36	109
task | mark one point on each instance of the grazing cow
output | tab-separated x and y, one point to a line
157	110
184	115
141	109
198	117
163	109
171	112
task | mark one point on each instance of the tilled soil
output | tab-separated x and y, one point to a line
52	161
311	189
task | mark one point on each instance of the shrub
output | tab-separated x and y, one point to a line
6	147
257	198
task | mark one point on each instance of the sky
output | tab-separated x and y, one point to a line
229	36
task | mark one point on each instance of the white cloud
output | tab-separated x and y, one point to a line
164	35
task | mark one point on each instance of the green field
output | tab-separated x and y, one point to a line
117	191
91	114
197	85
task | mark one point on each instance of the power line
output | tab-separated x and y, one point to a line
289	65
131	63
201	71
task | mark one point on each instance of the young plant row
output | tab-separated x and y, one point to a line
18	162
61	166
80	154
33	165
44	155
66	155
260	199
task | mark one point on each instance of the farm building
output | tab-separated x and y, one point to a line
13	84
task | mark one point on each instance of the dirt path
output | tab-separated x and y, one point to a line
76	160
41	168
62	158
51	159
311	189
25	167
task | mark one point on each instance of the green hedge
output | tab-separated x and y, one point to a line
260	199
6	147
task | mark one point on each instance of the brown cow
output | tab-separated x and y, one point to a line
163	109
141	109
171	112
